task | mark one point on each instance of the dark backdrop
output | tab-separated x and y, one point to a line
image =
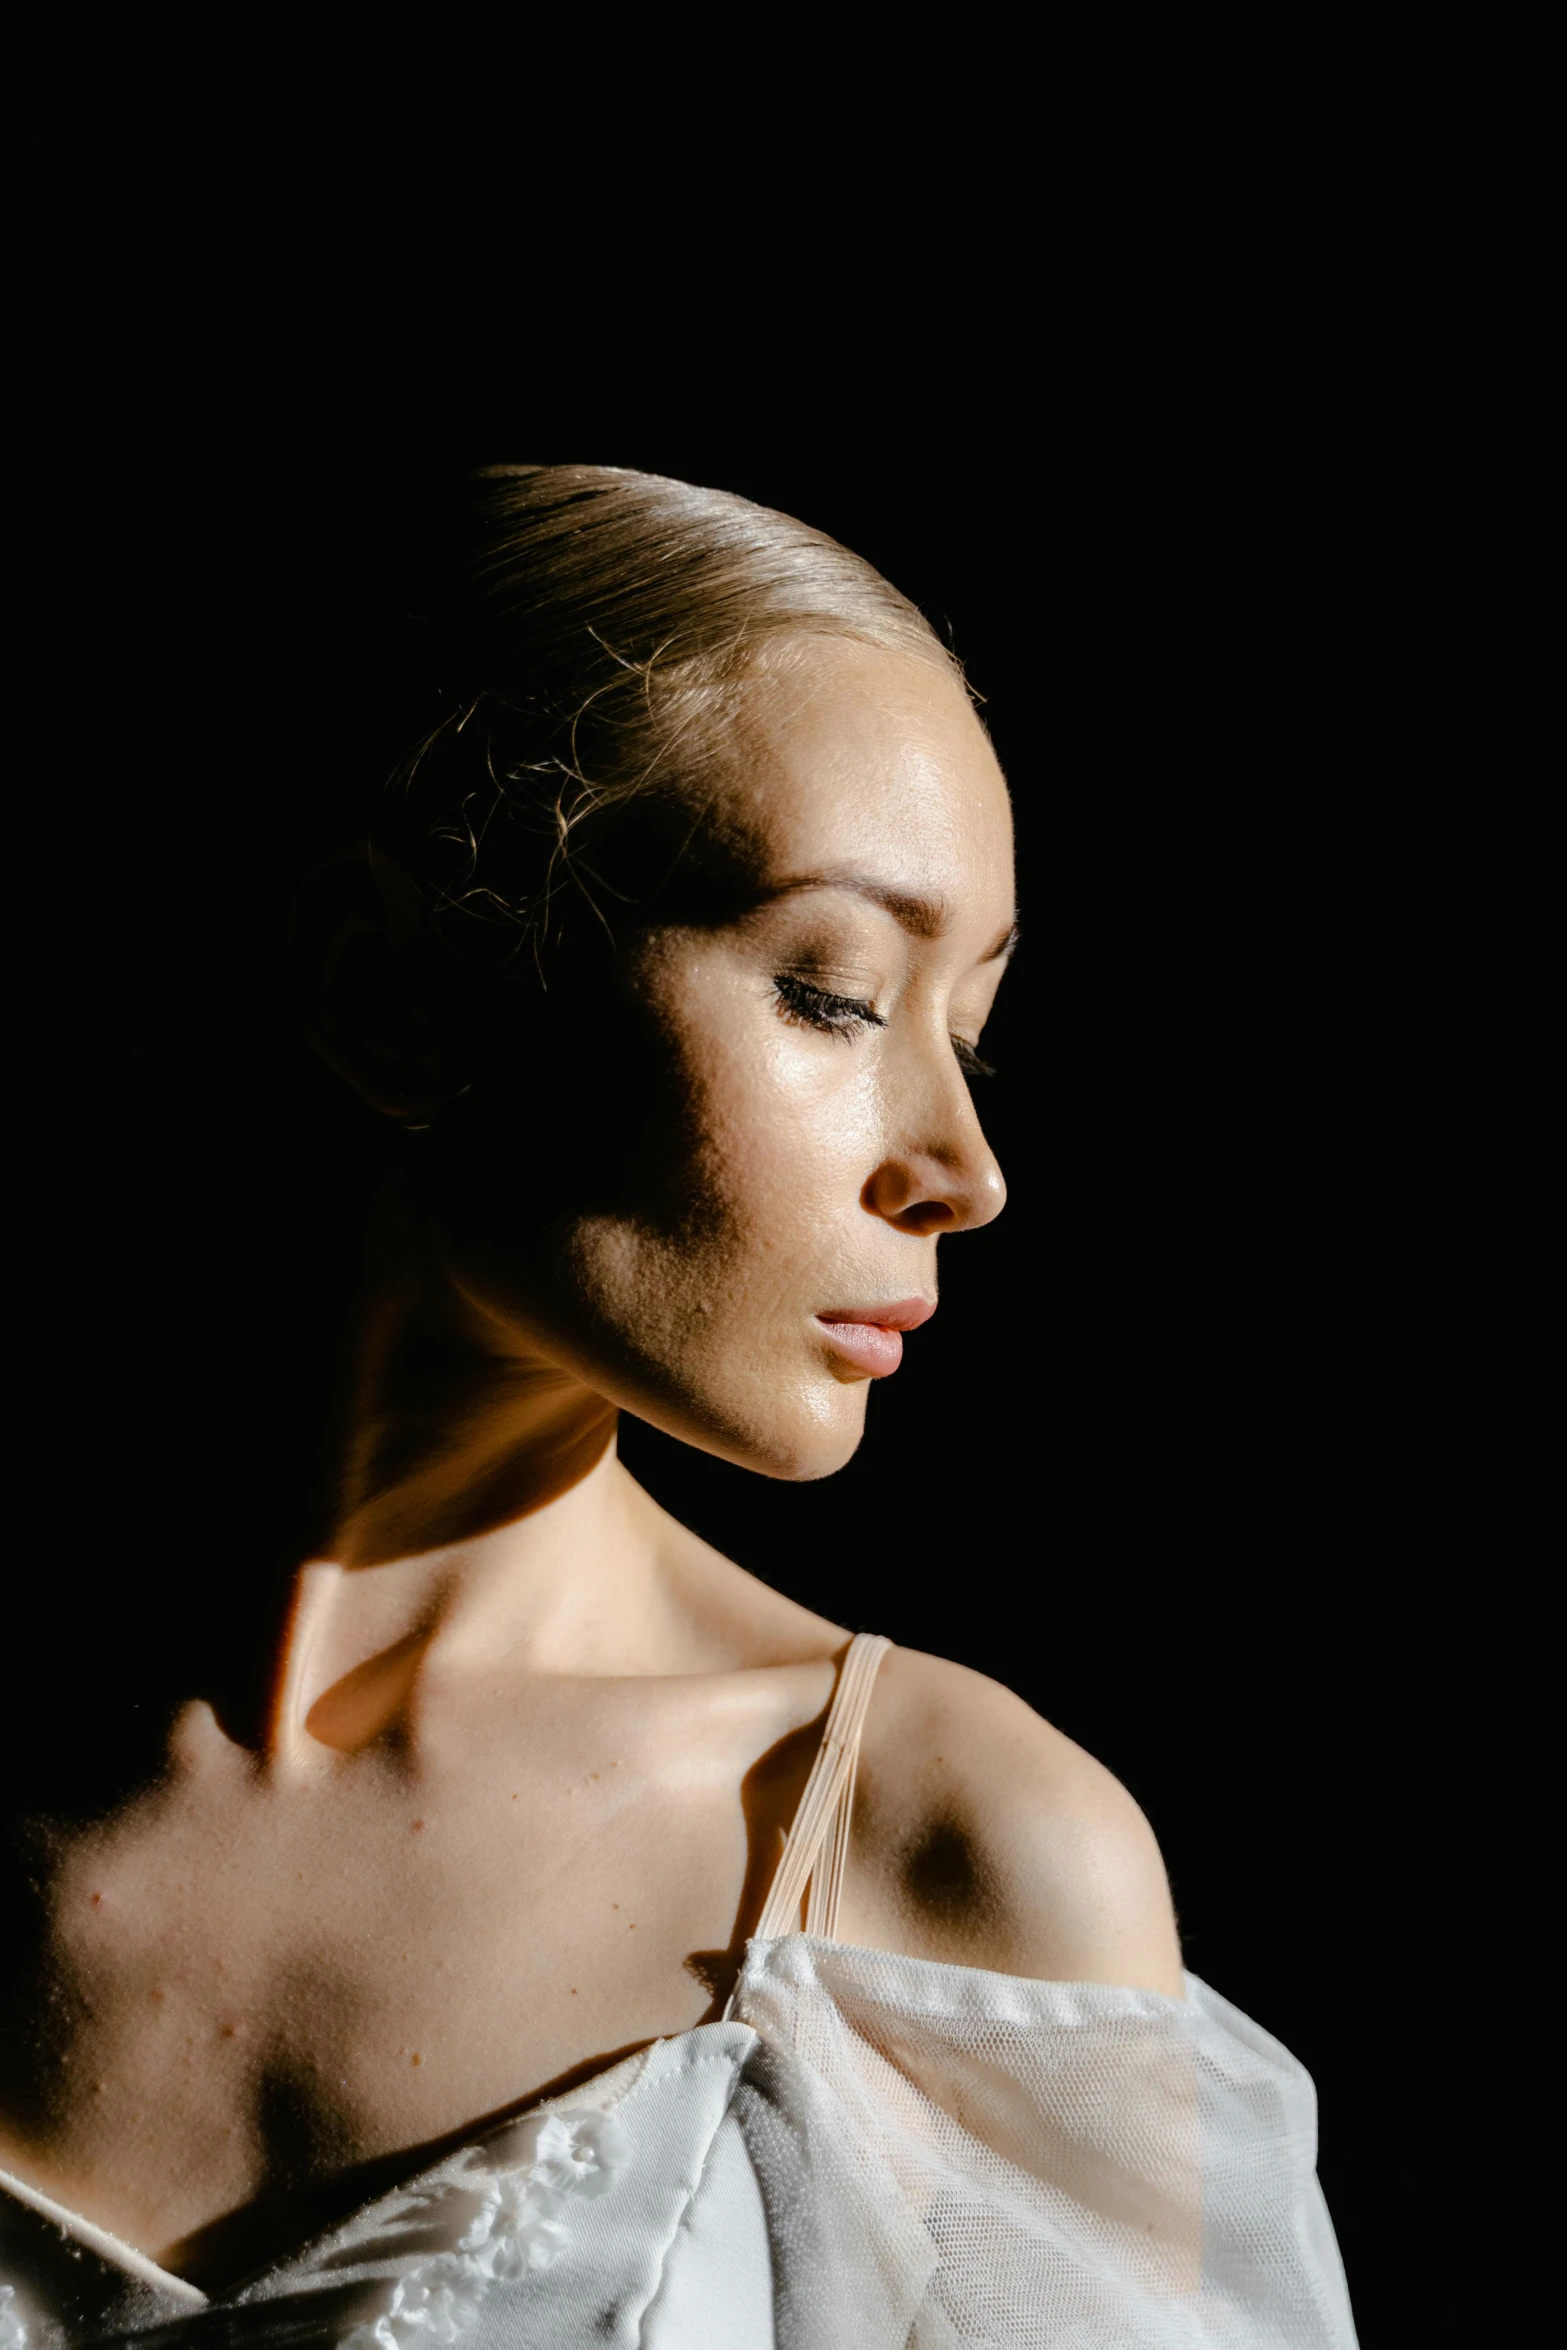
1182	1460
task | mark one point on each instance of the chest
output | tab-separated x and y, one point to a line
246	1986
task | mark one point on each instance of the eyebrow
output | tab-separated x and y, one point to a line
925	917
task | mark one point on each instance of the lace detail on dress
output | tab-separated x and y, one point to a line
506	2219
13	2334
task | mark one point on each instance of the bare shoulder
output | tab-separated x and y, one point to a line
985	1837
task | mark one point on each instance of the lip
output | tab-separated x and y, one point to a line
871	1337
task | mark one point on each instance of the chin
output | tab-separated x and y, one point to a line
816	1439
801	1455
807	1463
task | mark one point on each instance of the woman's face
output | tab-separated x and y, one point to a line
717	1206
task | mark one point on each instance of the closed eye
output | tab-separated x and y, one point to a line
818	1007
810	1006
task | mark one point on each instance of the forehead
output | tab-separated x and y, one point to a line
856	759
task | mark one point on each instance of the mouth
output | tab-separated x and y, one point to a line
871	1337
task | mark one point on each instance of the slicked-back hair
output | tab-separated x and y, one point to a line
600	627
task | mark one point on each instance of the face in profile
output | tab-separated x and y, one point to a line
717	1201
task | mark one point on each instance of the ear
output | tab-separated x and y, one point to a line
380	990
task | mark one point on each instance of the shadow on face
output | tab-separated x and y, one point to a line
680	1168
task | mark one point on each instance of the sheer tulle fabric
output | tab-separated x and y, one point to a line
972	2158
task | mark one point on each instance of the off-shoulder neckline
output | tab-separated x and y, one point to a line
958	1985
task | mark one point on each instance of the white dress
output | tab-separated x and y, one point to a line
869	2153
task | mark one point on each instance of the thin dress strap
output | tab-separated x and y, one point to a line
827	1806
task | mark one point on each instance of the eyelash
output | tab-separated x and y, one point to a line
846	1015
818	1007
969	1061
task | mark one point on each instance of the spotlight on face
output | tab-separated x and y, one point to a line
717	1200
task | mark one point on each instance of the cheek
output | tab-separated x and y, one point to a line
745	1217
705	1114
667	1239
777	1140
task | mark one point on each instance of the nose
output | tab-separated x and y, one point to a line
949	1181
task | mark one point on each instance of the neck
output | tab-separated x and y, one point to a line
456	1429
461	1479
482	1514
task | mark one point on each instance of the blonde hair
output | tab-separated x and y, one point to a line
602	626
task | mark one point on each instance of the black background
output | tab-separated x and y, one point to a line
1183	1459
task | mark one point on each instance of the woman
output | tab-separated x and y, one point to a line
469	1997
